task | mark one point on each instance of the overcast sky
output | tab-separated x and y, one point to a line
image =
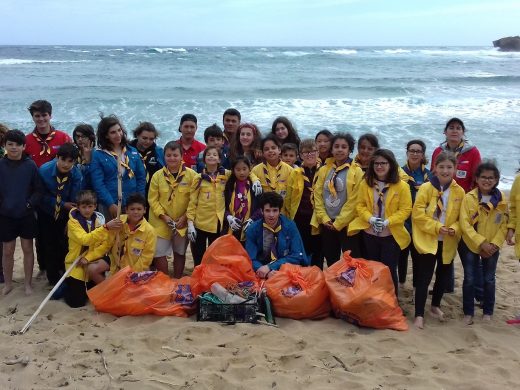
257	22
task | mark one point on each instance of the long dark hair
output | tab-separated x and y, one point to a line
393	173
230	184
292	137
236	148
102	131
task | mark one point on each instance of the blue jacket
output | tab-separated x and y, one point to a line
103	173
225	161
72	186
289	246
20	188
86	182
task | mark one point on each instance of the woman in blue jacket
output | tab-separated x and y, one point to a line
274	240
113	144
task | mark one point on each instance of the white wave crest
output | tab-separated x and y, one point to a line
296	53
394	51
169	50
343	52
18	61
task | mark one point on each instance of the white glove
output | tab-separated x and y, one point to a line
257	187
192	233
385	223
246	224
376	223
234	223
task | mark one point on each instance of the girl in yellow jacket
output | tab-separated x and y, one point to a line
335	200
136	244
299	201
273	173
513	226
88	237
168	199
383	205
436	233
483	222
206	207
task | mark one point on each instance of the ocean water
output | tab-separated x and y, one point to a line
398	93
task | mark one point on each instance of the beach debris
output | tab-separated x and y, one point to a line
187	355
100	352
12	309
23	360
340	362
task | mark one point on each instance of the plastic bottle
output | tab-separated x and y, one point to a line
224	295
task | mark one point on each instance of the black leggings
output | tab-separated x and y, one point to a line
75	293
402	268
203	240
424	273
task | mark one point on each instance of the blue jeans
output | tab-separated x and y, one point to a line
472	263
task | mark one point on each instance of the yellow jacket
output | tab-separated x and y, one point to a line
514	213
348	211
163	201
96	243
425	228
492	226
137	247
398	205
278	175
206	207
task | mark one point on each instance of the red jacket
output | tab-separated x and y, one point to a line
467	162
42	151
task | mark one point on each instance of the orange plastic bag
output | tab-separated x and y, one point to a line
226	262
129	293
298	292
362	292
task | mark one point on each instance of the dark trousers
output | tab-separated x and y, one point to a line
1	265
53	246
75	293
478	269
424	273
402	268
332	244
203	240
311	244
385	250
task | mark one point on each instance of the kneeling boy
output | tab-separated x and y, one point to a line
88	238
136	243
274	239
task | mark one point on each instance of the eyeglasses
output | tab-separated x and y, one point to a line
487	178
415	151
380	163
311	153
81	136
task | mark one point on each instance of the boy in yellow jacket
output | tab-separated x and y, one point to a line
135	245
168	197
299	201
436	233
88	237
483	221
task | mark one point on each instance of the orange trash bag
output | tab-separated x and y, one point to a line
362	292
129	293
298	292
225	262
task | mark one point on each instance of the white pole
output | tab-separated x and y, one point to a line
28	324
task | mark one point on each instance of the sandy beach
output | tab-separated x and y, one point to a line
80	348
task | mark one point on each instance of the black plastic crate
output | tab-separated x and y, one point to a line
229	313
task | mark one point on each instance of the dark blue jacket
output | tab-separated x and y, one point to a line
20	188
289	247
73	185
103	173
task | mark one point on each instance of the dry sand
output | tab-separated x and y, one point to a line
80	348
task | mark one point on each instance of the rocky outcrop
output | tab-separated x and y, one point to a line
508	43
